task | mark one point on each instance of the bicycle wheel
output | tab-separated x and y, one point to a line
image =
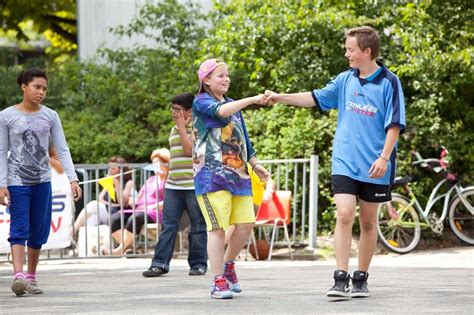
398	225
461	220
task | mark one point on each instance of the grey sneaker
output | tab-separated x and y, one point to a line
154	272
19	286
359	284
340	290
197	271
33	288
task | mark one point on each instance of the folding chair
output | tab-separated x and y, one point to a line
276	214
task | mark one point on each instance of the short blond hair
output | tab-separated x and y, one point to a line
163	154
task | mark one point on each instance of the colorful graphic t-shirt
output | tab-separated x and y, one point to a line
26	136
221	149
366	110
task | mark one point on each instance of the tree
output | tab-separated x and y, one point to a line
121	105
54	19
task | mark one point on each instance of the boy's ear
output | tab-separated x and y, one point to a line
368	52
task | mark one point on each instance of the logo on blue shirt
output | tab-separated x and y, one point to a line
364	109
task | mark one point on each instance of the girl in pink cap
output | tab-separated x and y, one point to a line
221	152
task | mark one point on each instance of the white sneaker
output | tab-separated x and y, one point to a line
19	286
33	288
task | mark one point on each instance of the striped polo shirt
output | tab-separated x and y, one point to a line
180	175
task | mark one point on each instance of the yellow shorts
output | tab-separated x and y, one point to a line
220	209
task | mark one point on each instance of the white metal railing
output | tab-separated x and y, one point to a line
300	176
91	174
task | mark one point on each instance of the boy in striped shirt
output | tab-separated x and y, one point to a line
180	196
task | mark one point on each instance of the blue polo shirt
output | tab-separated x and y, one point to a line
367	109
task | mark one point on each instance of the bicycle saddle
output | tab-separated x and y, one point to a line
402	181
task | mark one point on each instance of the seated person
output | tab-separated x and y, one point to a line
97	212
149	197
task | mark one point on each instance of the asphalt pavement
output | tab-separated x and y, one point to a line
440	281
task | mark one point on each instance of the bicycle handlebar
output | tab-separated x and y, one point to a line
426	161
436	165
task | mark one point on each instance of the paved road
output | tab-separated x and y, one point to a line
439	281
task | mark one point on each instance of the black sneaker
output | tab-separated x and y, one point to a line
154	272
340	290
197	271
359	285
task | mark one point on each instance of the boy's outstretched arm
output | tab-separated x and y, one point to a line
304	99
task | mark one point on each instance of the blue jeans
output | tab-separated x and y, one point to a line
174	203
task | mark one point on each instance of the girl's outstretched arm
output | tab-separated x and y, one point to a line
228	109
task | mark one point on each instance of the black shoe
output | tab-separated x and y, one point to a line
197	271
340	290
154	272
359	285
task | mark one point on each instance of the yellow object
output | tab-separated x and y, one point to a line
221	209
393	243
108	184
258	187
458	225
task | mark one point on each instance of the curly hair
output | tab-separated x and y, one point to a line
26	76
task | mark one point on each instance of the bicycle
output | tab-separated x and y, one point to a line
399	226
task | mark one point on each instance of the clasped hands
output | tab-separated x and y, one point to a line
268	98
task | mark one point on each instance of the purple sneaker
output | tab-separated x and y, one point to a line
231	276
220	288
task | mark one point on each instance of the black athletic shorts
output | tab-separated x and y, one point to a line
365	191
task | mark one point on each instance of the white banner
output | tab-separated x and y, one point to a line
61	219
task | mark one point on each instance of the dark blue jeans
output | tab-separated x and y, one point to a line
174	203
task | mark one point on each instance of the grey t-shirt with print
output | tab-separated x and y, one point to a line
27	137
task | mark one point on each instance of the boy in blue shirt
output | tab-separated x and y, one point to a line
371	115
